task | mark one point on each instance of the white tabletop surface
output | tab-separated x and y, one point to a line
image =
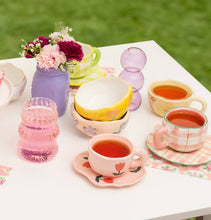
55	191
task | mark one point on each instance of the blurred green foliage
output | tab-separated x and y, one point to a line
181	27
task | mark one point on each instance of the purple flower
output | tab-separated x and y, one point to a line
71	49
42	40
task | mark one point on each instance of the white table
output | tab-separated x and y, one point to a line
55	191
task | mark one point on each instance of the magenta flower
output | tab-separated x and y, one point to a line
29	50
71	49
42	40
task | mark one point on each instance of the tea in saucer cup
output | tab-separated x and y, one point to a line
91	58
92	128
112	155
183	129
168	94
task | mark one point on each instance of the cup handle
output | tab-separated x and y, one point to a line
158	139
202	101
97	53
142	158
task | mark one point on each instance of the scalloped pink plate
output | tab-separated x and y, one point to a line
17	77
197	157
81	164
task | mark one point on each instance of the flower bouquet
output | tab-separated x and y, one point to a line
57	51
53	55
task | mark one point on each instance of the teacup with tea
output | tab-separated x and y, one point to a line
168	94
112	155
183	129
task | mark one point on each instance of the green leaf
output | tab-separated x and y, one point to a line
117	174
136	170
97	179
86	158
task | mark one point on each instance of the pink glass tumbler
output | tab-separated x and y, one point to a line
133	59
38	130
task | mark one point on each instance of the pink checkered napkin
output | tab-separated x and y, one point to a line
4	172
200	156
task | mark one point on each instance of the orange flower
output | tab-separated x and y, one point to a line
108	180
119	166
86	164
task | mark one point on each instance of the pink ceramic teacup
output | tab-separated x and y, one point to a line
112	155
183	129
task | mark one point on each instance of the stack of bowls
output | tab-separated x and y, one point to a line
101	106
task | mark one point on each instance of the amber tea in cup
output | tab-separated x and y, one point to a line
113	155
111	148
169	94
186	120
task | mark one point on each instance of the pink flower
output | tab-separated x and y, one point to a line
209	166
51	57
57	36
119	166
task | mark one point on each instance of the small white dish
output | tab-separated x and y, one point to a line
6	92
81	165
16	76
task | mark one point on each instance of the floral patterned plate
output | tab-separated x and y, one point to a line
81	164
95	72
197	157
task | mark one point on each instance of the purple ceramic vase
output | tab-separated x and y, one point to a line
52	84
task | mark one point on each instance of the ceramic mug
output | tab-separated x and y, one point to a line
91	58
183	129
168	94
112	155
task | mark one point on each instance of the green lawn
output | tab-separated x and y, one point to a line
181	27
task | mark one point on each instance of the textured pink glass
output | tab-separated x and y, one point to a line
38	130
133	59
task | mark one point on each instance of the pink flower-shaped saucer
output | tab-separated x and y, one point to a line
197	157
81	164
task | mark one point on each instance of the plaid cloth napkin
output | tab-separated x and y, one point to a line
4	172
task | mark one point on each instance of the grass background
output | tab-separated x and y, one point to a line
181	27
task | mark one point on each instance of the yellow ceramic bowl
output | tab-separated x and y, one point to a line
104	99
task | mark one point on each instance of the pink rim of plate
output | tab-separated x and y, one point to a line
6	92
81	165
197	157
